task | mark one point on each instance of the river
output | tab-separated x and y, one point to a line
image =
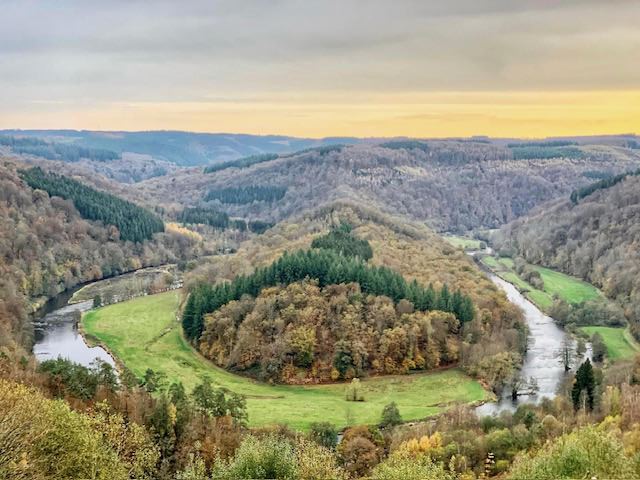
542	360
56	335
55	332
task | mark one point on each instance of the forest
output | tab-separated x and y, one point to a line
301	333
217	219
243	162
134	223
328	268
243	195
453	186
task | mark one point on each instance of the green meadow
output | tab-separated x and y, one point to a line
465	243
145	333
566	287
619	342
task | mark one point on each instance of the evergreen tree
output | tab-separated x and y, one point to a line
584	382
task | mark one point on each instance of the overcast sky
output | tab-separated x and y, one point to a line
315	68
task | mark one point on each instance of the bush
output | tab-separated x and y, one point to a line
406	467
390	416
324	433
585	453
270	457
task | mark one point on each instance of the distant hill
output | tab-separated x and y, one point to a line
595	237
453	185
181	148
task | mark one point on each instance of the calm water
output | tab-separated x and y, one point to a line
56	333
542	360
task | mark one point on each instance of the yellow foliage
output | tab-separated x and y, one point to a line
172	227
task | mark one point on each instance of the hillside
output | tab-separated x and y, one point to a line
597	239
46	246
409	249
451	185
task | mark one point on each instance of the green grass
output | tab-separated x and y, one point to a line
463	242
144	333
570	289
620	345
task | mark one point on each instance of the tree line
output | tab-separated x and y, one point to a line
328	268
243	195
343	242
219	219
134	223
244	162
609	182
57	151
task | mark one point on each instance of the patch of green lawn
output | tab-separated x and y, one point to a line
490	261
570	289
620	345
463	242
144	333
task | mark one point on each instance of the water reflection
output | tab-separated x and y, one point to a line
56	334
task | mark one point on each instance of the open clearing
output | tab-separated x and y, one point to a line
144	333
570	289
620	345
463	242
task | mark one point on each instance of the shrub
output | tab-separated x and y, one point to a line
390	415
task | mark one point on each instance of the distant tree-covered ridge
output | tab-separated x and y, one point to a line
532	151
56	151
133	222
244	162
581	193
218	219
242	195
342	241
328	268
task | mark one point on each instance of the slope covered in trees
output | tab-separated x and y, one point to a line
452	185
305	333
134	223
412	258
47	247
327	268
597	239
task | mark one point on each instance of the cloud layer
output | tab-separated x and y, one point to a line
76	59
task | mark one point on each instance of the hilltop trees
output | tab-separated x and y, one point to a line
327	268
134	223
302	333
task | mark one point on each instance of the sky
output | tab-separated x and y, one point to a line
367	68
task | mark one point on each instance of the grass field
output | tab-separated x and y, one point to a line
144	333
463	242
570	289
620	345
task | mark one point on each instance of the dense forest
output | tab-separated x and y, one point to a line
328	268
217	219
304	333
249	194
243	162
452	185
406	258
134	223
596	239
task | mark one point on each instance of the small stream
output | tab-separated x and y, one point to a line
56	332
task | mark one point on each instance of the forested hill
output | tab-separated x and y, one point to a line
597	239
46	247
393	267
134	223
452	185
